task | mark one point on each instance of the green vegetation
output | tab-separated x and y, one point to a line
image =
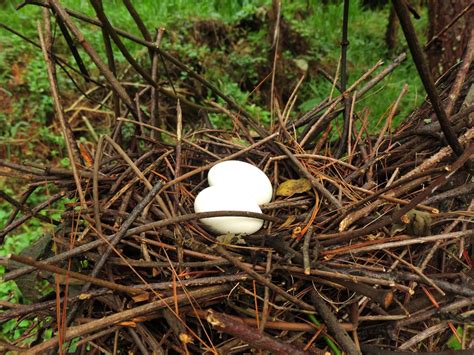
17	241
229	42
237	70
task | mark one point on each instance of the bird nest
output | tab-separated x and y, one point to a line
365	245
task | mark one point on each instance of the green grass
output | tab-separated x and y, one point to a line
319	25
322	26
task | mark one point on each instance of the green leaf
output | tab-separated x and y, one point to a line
65	163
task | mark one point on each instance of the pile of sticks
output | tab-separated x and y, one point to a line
376	256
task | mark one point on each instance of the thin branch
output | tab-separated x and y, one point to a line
425	74
344	77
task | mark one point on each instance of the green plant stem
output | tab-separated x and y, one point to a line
328	340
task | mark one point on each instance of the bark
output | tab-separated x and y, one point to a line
391	33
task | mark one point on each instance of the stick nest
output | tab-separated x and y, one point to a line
374	254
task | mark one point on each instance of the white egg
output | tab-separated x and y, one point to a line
220	198
241	176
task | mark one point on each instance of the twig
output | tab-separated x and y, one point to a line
61	61
354	249
423	335
427	314
138	21
306	261
111	64
344	78
73	49
375	350
253	274
441	180
462	72
115	84
123	230
34	211
155	104
137	171
98	324
248	334
425	75
328	273
340	334
113	34
317	185
462	290
312	129
448	26
425	278
95	184
137	230
242	112
71	145
20	206
75	275
382	297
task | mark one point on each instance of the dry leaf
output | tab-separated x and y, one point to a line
185	338
414	222
88	160
291	187
141	297
231	239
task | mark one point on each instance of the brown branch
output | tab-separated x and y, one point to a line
63	15
111	64
256	276
243	114
344	76
71	145
425	74
382	297
156	120
250	335
137	230
303	171
462	72
21	206
34	212
448	26
102	323
333	325
72	274
440	181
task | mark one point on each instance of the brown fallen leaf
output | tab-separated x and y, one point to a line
293	186
141	297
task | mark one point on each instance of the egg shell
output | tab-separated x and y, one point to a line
220	198
244	177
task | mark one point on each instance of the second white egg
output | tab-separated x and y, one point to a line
241	176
